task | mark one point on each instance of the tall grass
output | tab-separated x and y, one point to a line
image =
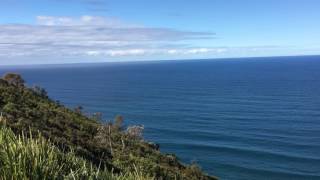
37	158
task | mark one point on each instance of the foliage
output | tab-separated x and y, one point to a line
14	79
135	131
104	145
40	91
36	158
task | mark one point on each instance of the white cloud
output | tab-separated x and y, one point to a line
113	53
172	51
198	50
101	37
85	20
187	51
92	36
126	52
159	51
93	53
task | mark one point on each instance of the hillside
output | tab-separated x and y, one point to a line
111	147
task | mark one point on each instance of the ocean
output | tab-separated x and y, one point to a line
245	118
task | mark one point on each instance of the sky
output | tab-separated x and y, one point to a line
77	31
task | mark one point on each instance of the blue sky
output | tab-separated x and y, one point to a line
72	31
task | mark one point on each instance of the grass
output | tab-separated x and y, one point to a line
37	158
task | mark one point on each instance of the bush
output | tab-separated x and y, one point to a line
36	158
14	79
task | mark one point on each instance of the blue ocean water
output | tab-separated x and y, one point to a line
249	118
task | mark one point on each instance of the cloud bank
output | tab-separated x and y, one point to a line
95	36
91	38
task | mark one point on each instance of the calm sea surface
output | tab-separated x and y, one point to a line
254	118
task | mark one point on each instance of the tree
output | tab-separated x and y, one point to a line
78	109
14	79
3	82
97	116
40	91
118	121
135	131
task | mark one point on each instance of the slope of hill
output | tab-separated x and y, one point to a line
110	146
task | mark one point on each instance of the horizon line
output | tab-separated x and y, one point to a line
146	61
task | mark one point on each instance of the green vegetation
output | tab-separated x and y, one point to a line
37	158
73	145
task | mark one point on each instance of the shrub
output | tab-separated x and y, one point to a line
36	158
40	91
14	79
135	131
